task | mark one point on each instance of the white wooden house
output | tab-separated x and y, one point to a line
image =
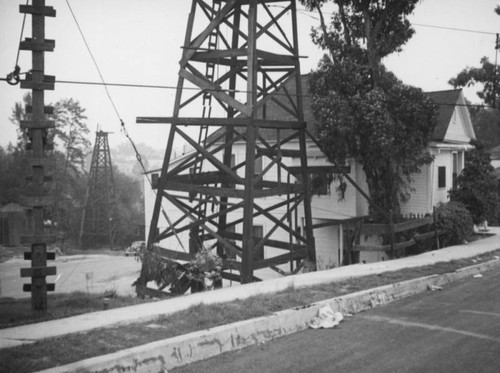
495	157
330	212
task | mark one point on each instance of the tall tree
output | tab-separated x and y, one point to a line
362	110
486	122
71	133
364	30
485	75
13	175
70	145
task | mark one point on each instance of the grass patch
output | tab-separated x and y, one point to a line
70	348
14	312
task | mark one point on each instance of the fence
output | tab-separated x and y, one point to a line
416	231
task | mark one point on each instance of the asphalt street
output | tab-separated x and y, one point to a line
456	329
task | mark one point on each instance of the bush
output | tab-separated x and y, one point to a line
477	186
456	222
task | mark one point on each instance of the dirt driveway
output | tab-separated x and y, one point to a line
89	273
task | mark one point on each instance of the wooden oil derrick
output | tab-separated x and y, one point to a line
257	60
36	129
98	217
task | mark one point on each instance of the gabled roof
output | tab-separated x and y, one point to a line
447	101
495	152
275	112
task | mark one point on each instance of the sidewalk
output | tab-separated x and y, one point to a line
149	311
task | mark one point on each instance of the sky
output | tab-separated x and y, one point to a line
139	42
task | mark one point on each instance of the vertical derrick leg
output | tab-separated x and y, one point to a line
256	85
251	132
247	259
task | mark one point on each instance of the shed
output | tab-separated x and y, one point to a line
11	224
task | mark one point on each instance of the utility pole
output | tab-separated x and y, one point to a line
37	130
98	217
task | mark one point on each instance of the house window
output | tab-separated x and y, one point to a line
319	184
442	177
258	234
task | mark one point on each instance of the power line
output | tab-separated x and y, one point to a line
309	13
131	85
93	58
13	77
454	29
122	123
21	36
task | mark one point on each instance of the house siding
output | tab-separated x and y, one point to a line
442	159
328	246
457	128
419	202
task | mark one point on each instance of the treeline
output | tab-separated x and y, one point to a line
68	148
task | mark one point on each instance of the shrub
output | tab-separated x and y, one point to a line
477	186
456	221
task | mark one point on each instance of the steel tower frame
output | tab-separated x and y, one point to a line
98	218
257	58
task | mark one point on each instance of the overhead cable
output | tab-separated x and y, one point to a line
13	77
122	123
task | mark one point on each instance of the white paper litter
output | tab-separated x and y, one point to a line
326	318
434	287
478	276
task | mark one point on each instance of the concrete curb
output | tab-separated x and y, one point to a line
185	349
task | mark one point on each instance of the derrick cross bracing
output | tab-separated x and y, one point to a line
98	224
256	104
37	130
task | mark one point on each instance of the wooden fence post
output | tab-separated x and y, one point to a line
391	227
436	234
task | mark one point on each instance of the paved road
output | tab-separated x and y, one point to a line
454	330
88	273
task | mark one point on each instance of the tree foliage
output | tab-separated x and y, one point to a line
485	75
456	222
71	133
486	121
477	186
362	110
70	146
486	124
129	207
12	181
70	177
364	30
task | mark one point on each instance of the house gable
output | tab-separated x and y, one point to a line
453	123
